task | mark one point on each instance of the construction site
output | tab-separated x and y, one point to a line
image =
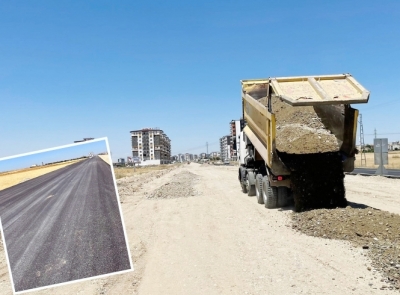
298	221
181	223
222	148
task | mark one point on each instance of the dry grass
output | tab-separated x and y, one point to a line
11	178
121	172
394	160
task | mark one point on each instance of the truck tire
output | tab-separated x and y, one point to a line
242	179
270	194
259	188
283	195
240	174
244	187
250	182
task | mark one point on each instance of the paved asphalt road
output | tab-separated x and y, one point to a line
391	172
63	226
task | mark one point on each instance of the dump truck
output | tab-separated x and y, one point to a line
298	137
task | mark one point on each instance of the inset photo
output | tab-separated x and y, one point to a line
61	218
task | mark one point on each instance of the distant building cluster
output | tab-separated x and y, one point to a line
228	147
194	157
151	146
393	146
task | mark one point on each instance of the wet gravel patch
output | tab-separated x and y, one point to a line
375	231
181	186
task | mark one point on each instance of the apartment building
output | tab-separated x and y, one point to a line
152	146
225	147
235	129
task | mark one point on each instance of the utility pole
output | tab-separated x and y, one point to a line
362	144
375	132
207	148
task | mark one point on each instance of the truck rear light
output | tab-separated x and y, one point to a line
278	178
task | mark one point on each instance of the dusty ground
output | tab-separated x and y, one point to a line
192	231
8	179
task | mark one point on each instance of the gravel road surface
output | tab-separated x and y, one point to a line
63	226
192	231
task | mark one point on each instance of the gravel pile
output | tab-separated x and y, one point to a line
129	185
375	231
182	186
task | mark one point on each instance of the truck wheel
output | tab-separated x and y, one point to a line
242	179
244	187
240	174
251	188
270	194
259	189
282	196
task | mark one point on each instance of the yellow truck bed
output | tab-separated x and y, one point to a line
328	97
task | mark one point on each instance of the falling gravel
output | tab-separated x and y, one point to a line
317	180
376	232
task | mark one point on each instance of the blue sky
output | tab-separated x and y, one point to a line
49	156
74	69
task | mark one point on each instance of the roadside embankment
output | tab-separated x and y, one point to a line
11	178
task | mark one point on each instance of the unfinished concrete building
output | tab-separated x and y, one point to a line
152	146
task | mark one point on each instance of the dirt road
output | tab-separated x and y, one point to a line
192	231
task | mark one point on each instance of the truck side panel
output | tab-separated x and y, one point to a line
261	123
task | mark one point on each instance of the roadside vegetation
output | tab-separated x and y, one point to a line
394	160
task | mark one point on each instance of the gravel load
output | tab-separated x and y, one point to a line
374	231
181	186
299	130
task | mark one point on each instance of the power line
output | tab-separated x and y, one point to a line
381	133
198	147
390	102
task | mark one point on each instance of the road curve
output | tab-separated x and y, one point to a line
63	226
